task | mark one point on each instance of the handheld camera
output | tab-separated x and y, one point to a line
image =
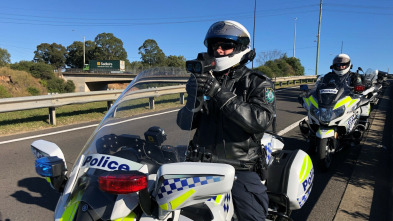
203	64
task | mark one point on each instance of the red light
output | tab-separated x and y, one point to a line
122	182
359	88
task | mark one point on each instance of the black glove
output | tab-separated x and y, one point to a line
201	80
208	85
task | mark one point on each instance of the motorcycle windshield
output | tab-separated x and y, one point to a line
330	89
131	141
370	77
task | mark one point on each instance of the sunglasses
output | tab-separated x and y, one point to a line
224	45
341	65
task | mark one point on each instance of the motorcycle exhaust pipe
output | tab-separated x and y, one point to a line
357	134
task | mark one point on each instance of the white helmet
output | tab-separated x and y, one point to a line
234	32
341	60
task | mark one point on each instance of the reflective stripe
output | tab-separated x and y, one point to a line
164	206
306	168
71	208
342	102
179	200
308	103
329	132
352	101
313	101
48	179
130	217
218	199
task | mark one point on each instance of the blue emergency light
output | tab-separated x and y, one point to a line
49	166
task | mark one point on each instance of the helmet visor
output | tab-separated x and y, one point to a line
223	45
227	31
340	66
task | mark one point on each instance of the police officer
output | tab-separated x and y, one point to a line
341	67
239	107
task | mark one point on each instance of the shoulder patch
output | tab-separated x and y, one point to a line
269	95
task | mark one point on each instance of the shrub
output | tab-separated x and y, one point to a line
42	71
33	91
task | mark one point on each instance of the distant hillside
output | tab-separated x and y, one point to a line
19	84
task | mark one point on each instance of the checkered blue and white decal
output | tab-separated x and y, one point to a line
171	186
227	199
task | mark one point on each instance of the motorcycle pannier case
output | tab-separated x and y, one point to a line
183	184
290	178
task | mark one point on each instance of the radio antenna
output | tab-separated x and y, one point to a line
253	34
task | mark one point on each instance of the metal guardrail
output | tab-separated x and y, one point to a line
56	100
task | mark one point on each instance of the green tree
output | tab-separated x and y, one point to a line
42	71
75	53
5	57
266	70
175	61
151	54
108	47
53	54
296	65
22	65
135	66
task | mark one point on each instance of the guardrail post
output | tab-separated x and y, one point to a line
181	98
151	102
287	82
294	82
52	115
109	104
280	83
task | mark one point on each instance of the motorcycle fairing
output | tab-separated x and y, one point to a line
365	110
326	132
179	187
300	179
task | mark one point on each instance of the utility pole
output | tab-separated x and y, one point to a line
319	36
342	45
84	52
294	39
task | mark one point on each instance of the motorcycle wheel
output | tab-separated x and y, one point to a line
326	151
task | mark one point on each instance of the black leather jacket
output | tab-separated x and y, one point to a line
237	116
352	78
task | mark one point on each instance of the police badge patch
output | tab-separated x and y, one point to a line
269	95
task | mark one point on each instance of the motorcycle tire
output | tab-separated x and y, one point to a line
326	151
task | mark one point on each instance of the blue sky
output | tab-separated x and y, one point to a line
364	28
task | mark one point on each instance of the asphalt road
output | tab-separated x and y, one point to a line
26	196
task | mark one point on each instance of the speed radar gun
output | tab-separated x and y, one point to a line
204	64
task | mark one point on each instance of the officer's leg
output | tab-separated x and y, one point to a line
249	197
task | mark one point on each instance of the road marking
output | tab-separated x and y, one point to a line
80	128
290	127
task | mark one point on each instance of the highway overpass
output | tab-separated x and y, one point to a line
85	82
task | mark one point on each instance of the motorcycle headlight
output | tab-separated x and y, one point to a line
325	114
328	114
314	111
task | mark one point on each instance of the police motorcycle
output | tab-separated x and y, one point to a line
132	169
335	112
373	82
